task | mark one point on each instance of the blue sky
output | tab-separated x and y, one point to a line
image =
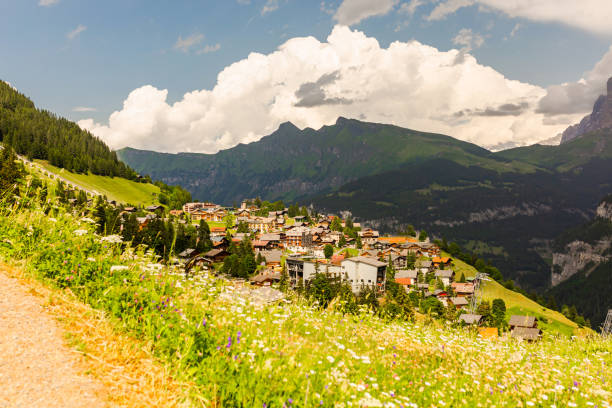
74	54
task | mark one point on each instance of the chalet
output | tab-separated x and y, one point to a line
273	257
406	277
130	209
396	241
243	212
445	275
261	245
440	262
524	328
216	255
337	259
459	302
368	236
463	289
220	242
217	231
274	240
470	319
188	253
424	266
265	278
154	208
422	286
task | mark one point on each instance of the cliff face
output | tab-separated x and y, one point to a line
590	246
600	118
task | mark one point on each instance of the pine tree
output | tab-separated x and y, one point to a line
283	285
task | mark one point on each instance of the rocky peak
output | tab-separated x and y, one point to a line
600	118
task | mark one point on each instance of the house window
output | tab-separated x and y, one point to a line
369	281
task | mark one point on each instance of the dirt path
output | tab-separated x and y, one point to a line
37	369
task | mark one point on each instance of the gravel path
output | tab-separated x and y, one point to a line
37	369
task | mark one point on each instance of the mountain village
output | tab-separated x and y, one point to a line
302	246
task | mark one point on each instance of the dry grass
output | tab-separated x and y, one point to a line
125	366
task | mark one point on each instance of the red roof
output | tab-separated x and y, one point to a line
217	229
260	243
404	281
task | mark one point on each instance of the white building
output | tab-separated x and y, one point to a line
359	272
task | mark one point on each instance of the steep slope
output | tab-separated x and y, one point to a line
38	134
291	162
582	265
509	218
600	118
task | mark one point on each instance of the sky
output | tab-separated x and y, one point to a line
201	76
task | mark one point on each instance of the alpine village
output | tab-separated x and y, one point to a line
356	264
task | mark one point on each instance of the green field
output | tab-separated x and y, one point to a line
516	303
114	188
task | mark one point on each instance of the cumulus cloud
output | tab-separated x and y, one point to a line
311	82
47	3
588	15
185	44
75	33
270	6
579	96
353	11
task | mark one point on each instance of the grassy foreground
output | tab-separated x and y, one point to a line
115	188
232	353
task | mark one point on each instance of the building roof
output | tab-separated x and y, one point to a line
460	287
444	273
459	301
259	243
396	240
438	259
366	260
522	321
406	273
526	333
270	237
272	256
187	253
470	318
424	264
214	252
404	281
217	229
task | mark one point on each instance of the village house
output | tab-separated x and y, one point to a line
445	275
441	262
459	302
362	272
524	328
273	240
262	225
216	255
407	278
217	231
463	289
368	236
273	257
470	319
265	278
298	239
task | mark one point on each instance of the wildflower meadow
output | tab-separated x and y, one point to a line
233	352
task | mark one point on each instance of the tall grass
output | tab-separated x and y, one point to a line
237	353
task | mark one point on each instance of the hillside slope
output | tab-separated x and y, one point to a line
291	162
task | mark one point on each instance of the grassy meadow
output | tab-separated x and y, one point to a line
230	352
115	188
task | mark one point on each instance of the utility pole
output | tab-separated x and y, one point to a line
475	300
607	326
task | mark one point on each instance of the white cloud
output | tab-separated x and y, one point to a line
311	83
579	96
184	44
75	33
83	109
410	8
515	29
447	7
47	3
353	11
588	15
468	39
270	6
209	48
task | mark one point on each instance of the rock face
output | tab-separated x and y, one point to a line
579	255
600	118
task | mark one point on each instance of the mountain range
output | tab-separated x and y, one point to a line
508	207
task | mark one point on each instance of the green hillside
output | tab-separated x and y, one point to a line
567	155
517	303
114	188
